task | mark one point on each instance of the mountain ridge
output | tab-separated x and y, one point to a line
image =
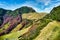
30	25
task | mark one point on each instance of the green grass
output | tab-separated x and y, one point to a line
14	35
34	33
47	31
17	28
4	27
33	16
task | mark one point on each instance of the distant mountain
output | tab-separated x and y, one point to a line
26	9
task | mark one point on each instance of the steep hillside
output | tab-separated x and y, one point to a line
30	34
10	19
50	32
9	13
26	24
33	16
15	35
54	14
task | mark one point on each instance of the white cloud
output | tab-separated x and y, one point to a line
46	2
33	5
30	4
48	9
57	4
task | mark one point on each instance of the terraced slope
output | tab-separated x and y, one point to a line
50	32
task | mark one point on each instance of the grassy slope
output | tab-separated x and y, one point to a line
50	32
15	34
33	16
34	31
26	16
17	28
4	27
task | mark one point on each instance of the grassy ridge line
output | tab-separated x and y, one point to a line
33	16
15	34
47	31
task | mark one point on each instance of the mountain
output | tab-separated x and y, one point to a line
14	13
54	14
26	9
50	32
2	12
33	16
10	19
26	24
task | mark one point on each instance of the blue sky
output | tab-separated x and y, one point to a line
38	5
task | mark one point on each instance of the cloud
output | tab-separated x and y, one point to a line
48	9
39	9
57	4
38	5
30	4
1	3
46	2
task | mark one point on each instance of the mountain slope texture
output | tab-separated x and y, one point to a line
26	24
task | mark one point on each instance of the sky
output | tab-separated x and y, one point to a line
38	5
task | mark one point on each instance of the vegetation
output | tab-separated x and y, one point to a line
48	32
26	24
54	14
26	9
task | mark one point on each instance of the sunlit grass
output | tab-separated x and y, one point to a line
17	28
48	30
14	35
4	27
33	16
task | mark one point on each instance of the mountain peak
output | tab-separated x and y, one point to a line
26	9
